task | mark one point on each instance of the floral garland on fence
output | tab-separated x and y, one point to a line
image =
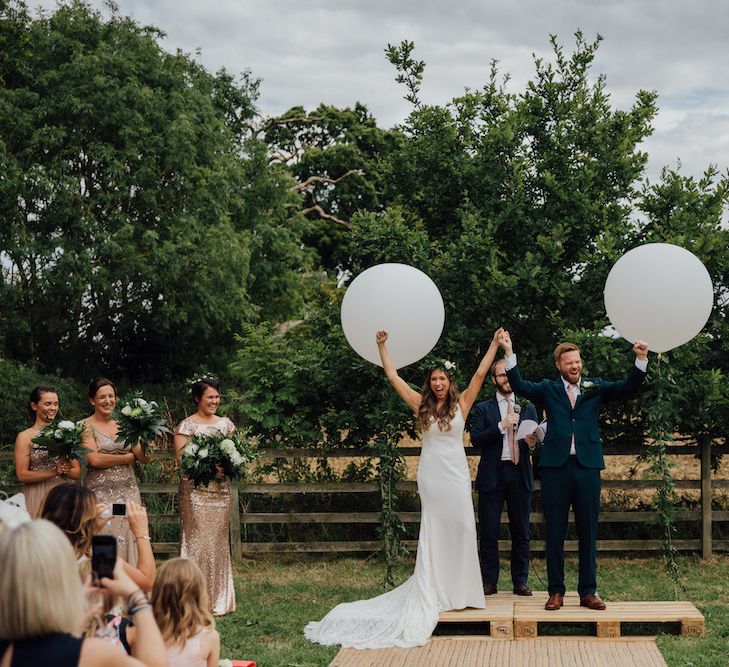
391	530
660	431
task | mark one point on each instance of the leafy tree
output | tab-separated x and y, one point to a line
517	205
336	156
141	224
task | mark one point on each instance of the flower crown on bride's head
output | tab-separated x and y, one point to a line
430	363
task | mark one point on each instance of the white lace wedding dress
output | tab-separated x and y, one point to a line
447	572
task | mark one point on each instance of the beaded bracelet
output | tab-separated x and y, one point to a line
140	607
136	598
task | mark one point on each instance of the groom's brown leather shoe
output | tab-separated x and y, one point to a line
592	602
555	602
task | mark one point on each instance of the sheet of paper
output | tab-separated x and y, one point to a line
527	427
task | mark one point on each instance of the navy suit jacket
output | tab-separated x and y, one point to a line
563	420
486	436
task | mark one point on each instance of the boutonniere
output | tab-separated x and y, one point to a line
588	386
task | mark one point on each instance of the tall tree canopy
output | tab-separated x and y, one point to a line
517	205
141	223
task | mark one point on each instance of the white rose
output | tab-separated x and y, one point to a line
203	453
66	425
236	459
142	403
126	410
227	445
448	365
58	433
190	450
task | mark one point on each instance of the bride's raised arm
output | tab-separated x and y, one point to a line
405	391
469	396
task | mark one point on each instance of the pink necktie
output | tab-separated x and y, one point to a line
513	445
573	400
571	394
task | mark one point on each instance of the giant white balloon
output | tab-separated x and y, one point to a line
660	293
400	299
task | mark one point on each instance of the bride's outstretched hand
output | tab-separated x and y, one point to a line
381	337
497	335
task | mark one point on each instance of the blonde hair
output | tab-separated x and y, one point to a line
40	592
180	601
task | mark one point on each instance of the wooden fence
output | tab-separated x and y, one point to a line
705	516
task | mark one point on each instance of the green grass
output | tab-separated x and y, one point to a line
276	598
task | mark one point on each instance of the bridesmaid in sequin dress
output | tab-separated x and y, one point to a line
33	467
205	511
111	465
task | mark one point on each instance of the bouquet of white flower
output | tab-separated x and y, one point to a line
204	453
139	421
63	439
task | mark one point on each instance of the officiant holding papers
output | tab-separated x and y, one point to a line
504	476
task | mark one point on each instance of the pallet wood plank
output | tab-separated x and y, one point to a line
529	613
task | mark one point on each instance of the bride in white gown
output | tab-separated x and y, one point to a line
447	572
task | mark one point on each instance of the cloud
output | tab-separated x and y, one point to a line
332	51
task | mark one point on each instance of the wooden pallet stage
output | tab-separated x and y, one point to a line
498	614
530	612
543	652
511	617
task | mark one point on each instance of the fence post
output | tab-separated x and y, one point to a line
706	497
236	547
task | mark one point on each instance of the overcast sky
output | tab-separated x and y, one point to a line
332	51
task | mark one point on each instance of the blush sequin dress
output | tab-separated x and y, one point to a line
35	492
204	521
116	484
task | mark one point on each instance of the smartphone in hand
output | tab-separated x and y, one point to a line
103	555
118	509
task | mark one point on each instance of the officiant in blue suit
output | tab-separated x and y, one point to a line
504	476
571	458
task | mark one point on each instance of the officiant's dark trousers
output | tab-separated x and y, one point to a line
509	489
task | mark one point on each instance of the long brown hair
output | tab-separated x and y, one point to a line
180	601
428	411
73	509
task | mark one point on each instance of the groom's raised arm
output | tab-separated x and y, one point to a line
633	383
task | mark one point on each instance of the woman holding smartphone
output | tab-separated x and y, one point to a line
43	610
74	510
111	465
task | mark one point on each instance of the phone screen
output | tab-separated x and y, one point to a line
118	509
103	555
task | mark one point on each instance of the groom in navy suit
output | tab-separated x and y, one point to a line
504	475
571	457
